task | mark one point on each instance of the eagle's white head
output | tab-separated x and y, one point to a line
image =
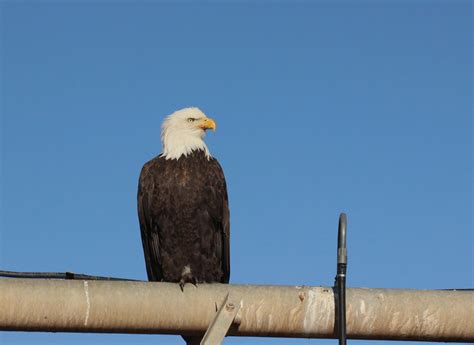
183	132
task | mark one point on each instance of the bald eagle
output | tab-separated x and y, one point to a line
183	206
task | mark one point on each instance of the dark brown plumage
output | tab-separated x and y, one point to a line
184	219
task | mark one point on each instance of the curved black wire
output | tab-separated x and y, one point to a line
57	275
340	283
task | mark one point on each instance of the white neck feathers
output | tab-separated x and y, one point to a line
183	142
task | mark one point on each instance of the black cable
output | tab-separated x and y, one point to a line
57	275
341	279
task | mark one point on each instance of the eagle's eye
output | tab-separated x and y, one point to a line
191	119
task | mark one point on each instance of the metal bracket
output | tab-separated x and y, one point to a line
225	317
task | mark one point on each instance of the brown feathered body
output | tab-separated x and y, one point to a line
184	219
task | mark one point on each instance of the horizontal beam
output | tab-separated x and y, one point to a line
275	311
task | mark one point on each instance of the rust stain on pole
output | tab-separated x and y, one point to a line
277	311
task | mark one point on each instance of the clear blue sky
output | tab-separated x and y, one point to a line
322	107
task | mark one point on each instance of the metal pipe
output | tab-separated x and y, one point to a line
276	311
341	279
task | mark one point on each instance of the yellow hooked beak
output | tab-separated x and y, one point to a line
207	123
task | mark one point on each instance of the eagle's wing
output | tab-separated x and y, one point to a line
223	220
149	230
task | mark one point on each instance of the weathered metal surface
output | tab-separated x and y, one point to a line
222	321
277	311
428	315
